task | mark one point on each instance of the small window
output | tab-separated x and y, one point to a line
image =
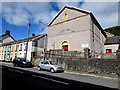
25	46
12	48
17	47
108	50
20	47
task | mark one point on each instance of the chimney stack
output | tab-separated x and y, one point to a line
33	34
7	32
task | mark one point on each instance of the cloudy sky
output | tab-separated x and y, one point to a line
16	15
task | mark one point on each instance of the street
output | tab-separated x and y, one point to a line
29	78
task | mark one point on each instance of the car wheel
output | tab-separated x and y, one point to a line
39	68
52	70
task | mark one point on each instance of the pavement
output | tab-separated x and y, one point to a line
100	75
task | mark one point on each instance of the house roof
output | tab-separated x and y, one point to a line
24	40
112	40
109	34
30	38
1	37
83	11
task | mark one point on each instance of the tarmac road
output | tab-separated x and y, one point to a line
15	78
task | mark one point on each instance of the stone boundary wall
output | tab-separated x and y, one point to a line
87	65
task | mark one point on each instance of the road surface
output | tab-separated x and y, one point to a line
30	78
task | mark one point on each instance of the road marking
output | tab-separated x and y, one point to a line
16	71
51	79
100	76
97	76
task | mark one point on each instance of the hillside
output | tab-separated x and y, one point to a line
114	30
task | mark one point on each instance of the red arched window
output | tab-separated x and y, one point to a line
65	45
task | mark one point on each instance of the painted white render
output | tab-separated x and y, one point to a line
113	47
23	51
29	50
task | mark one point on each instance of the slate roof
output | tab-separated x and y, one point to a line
25	39
1	37
112	40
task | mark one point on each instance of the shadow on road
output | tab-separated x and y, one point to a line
14	79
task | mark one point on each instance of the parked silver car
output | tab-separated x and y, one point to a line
49	65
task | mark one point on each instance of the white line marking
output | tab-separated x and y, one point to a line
97	76
11	69
51	79
15	71
100	76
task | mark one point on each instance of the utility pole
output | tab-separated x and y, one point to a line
43	40
27	40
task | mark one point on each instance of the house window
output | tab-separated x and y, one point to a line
12	48
24	55
25	46
20	47
15	54
36	42
108	50
17	47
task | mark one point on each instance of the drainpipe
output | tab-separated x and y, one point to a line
27	40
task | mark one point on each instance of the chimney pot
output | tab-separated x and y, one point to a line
33	35
7	32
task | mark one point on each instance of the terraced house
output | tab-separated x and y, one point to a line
24	48
5	45
28	48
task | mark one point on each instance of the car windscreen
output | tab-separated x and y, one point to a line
52	62
23	59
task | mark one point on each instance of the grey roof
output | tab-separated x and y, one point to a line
112	40
2	37
24	40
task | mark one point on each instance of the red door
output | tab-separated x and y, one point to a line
108	50
65	48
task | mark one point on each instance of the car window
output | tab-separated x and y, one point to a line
23	59
52	62
18	59
15	59
41	62
46	62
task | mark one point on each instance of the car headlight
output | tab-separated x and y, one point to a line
24	62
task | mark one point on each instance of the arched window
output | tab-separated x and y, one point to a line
65	45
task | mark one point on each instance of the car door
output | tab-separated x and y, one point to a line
46	65
42	65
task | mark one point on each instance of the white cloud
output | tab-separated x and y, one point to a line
14	14
20	13
62	4
40	11
104	12
109	20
